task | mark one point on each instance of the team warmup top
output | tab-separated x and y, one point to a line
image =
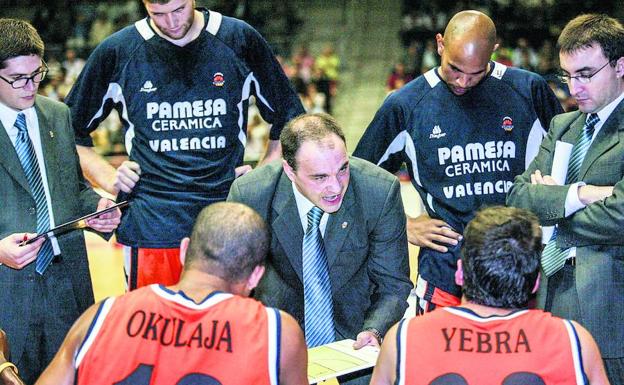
528	347
184	112
163	337
462	152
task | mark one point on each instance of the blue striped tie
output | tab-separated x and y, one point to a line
553	258
319	312
28	159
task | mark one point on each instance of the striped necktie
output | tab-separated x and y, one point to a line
28	159
318	307
553	257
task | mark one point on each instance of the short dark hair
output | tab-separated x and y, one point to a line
501	257
228	240
18	38
587	30
303	128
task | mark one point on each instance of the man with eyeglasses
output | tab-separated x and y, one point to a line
181	80
45	285
583	261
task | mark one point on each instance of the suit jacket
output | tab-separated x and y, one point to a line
71	198
365	241
596	230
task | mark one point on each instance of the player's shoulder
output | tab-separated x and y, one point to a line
516	77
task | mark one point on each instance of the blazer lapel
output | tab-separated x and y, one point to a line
10	161
48	146
287	224
606	138
338	227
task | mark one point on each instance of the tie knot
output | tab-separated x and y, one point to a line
314	216
591	121
20	122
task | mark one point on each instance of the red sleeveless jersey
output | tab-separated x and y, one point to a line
454	346
154	336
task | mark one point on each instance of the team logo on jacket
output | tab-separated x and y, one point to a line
148	87
507	124
218	79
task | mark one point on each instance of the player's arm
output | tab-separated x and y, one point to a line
273	152
293	353
592	361
61	370
100	173
385	369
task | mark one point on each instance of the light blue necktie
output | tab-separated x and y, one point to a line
318	307
553	258
28	159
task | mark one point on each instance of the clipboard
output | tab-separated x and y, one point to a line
75	224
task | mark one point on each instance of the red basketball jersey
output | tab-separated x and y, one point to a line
453	346
154	336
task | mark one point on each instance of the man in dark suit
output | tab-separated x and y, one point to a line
44	286
362	227
583	261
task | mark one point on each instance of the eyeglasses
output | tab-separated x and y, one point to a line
35	78
583	79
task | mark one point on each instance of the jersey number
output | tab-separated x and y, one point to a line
142	375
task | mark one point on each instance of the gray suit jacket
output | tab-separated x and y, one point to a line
596	230
71	198
365	242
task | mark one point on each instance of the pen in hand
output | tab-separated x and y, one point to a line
23	242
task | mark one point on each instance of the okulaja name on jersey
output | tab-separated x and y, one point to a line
175	332
477	158
195	115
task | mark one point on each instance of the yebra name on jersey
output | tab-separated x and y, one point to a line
186	115
477	158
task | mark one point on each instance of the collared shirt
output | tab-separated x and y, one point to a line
8	116
304	206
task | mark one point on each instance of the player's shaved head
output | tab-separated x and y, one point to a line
471	27
465	49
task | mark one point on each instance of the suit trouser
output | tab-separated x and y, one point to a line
562	301
53	311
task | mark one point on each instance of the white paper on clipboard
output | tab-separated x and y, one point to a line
561	158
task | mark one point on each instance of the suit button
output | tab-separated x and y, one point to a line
30	277
32	211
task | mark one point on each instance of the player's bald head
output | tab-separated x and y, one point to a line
471	27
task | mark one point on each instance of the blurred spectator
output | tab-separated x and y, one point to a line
523	56
313	100
304	64
72	65
101	28
327	66
430	58
398	78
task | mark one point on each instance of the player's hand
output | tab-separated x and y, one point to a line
538	178
424	231
16	256
107	222
127	176
242	170
365	338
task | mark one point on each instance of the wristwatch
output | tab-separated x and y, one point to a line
376	333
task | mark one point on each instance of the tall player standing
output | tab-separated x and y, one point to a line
181	80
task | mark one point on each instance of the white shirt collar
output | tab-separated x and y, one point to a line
304	206
608	109
9	115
